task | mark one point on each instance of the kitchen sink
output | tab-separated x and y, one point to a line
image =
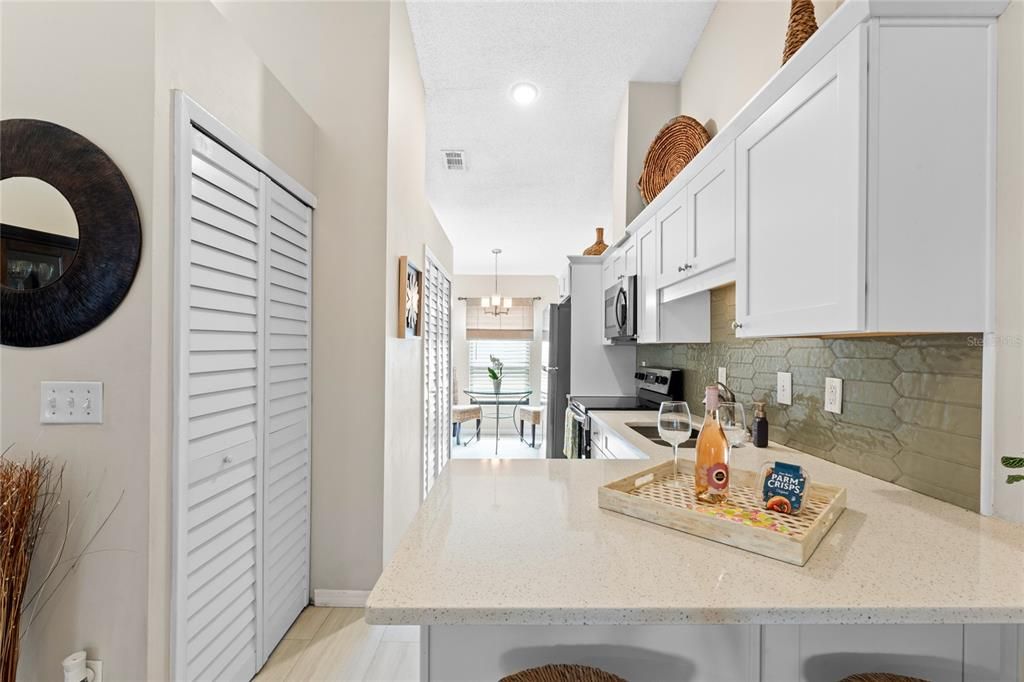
650	432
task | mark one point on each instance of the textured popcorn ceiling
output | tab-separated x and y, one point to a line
540	177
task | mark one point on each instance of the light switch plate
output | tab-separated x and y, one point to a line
784	388
71	402
722	375
834	395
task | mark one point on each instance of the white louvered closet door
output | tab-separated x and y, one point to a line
242	441
219	440
437	372
286	510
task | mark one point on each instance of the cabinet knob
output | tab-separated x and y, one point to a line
684	268
736	325
228	459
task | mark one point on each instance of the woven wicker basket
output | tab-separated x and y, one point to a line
674	146
802	26
880	677
562	673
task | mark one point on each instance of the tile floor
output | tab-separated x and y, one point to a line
337	644
509	447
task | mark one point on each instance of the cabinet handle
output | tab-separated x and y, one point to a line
684	268
228	459
736	325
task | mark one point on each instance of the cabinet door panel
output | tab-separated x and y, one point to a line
647	285
672	238
629	267
801	204
711	208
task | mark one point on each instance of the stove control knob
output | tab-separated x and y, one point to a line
662	380
639	376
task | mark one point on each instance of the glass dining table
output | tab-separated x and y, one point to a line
497	400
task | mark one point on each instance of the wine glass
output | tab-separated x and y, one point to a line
674	425
734	422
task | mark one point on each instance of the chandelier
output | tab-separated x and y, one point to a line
496	304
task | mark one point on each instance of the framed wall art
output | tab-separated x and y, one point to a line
410	299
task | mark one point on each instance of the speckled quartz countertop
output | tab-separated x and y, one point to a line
524	542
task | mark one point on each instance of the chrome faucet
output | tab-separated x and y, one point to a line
725	393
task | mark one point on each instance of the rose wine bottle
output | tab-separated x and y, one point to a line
711	473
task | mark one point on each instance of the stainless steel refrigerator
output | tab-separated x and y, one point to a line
558	369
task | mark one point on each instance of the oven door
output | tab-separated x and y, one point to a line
581	422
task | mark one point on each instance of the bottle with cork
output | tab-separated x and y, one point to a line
711	472
759	429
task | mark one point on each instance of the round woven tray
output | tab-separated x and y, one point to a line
562	673
674	146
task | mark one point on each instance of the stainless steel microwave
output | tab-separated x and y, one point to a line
620	310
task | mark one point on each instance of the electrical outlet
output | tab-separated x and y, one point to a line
784	388
71	402
722	374
97	670
834	395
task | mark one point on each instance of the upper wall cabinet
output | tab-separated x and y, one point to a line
711	214
800	184
647	285
864	192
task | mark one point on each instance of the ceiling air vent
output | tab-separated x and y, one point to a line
454	159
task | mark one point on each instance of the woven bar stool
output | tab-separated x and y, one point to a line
562	673
464	413
530	414
880	677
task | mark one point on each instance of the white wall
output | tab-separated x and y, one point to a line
620	179
411	225
517	286
1009	417
740	49
651	106
333	57
56	67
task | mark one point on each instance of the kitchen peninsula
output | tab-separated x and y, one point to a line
507	560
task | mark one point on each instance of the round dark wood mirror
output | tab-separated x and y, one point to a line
70	237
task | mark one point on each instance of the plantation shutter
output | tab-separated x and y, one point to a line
286	464
437	372
219	440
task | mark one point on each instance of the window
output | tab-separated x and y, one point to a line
514	353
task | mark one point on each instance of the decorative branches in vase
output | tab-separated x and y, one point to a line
29	494
495	372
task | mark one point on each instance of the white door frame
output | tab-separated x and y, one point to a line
188	114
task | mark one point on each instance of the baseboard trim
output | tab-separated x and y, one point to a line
340	598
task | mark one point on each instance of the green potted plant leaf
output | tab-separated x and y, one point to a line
495	372
1013	463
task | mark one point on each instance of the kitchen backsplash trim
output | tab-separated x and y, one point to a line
911	404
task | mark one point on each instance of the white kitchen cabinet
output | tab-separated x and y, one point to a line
850	216
629	253
671	235
608	270
565	283
711	215
647	284
800	203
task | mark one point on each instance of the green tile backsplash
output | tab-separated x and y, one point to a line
911	404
